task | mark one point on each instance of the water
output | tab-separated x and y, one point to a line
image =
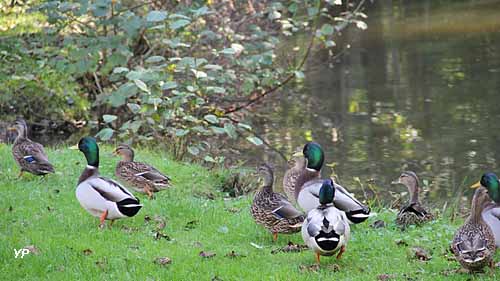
419	90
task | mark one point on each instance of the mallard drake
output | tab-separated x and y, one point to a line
100	196
29	155
413	213
474	243
326	229
491	211
141	177
272	209
305	182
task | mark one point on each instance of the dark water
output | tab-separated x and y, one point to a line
419	89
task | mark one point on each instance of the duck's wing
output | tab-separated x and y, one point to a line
491	215
148	172
34	156
355	211
284	209
109	189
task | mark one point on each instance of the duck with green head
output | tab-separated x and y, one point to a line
491	211
100	196
303	181
474	242
29	155
326	229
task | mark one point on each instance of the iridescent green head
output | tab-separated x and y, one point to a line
326	192
88	146
314	155
490	181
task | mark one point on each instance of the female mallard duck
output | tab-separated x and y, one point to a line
474	243
272	210
141	177
326	229
29	155
491	211
304	182
412	213
102	197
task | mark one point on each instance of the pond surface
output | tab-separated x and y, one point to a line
419	90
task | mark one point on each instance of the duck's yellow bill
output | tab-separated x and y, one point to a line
11	129
476	185
297	154
75	147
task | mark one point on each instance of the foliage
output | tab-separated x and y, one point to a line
180	224
184	73
28	85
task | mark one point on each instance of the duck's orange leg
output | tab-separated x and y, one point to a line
149	193
275	236
317	257
102	218
342	250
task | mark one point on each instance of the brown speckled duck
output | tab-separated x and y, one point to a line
29	155
413	213
474	243
272	210
141	177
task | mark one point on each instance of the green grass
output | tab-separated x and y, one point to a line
45	213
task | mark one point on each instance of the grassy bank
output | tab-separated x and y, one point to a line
45	213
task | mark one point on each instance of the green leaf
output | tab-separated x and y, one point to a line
228	51
327	29
134	107
213	67
245	126
299	74
181	132
154	59
155	16
209	158
199	74
193	150
169	85
109	118
105	134
141	85
230	130
254	140
118	70
211	118
118	97
179	23
217	90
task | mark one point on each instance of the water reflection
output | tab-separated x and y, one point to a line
418	90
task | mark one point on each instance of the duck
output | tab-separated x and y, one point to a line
303	182
474	242
100	196
326	229
29	155
272	210
139	176
413	213
491	211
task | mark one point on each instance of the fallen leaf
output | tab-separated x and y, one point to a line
233	210
401	242
160	222
233	254
87	252
56	191
216	278
191	225
147	218
207	255
128	229
159	235
497	264
420	254
310	268
333	267
101	263
197	244
385	277
223	229
378	224
256	245
11	209
163	261
290	247
33	250
49	209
